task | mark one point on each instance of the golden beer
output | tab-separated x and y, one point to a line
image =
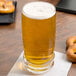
38	31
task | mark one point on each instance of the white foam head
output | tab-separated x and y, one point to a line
39	10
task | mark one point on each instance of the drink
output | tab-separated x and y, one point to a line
38	31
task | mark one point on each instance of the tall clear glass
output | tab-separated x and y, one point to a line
38	32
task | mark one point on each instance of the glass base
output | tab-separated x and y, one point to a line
37	69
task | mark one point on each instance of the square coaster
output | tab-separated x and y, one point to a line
60	68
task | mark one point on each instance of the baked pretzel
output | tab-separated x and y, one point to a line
71	53
71	48
71	41
6	7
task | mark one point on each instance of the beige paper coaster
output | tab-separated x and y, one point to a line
60	68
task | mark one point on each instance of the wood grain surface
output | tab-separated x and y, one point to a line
11	37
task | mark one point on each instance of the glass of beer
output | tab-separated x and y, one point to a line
38	33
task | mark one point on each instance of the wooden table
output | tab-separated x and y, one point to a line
11	39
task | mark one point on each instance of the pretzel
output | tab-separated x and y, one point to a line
71	53
6	6
71	48
71	41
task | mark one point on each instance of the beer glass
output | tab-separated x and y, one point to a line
38	33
